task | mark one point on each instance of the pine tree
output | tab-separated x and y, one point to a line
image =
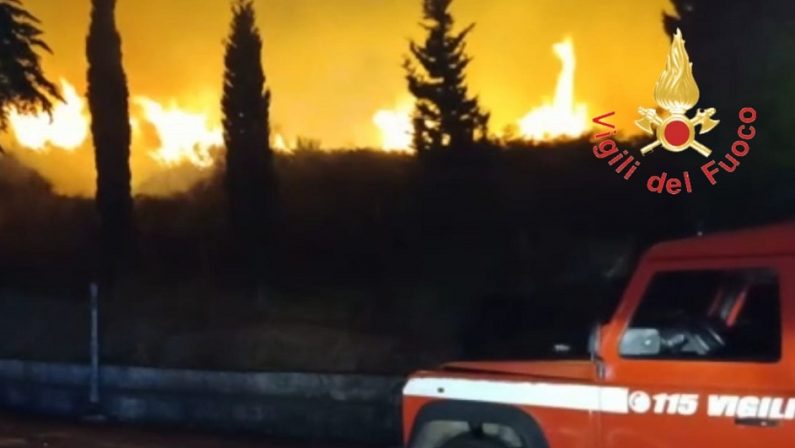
22	81
250	180
110	126
445	115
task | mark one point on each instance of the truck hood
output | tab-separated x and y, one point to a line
564	370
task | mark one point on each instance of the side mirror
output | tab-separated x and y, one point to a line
594	339
641	342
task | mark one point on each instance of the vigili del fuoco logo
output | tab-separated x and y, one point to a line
676	93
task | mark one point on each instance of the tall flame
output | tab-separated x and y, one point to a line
66	129
184	136
564	117
676	90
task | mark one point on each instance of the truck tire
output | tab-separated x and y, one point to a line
472	441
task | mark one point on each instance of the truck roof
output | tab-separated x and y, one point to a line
777	239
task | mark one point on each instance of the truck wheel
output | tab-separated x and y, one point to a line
472	441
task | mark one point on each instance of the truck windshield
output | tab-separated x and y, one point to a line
708	315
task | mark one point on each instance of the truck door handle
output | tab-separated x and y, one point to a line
758	422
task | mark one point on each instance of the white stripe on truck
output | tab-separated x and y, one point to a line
579	397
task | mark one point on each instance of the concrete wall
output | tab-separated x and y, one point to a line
305	405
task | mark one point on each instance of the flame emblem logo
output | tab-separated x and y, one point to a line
676	91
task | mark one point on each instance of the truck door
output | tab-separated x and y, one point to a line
702	351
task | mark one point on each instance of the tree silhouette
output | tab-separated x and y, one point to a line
445	115
110	126
250	178
22	81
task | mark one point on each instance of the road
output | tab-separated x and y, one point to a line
24	432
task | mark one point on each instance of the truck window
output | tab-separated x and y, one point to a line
707	315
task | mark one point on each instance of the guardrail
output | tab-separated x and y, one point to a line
355	408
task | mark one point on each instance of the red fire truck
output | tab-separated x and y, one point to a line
700	353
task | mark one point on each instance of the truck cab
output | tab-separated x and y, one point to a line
700	352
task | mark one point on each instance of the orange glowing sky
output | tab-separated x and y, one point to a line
333	64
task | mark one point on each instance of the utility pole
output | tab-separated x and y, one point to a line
93	396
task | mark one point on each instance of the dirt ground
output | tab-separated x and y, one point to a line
29	432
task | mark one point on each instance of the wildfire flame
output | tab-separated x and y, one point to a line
564	117
66	129
184	136
280	144
676	89
395	127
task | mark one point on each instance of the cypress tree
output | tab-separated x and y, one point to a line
22	81
110	126
445	115
250	181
